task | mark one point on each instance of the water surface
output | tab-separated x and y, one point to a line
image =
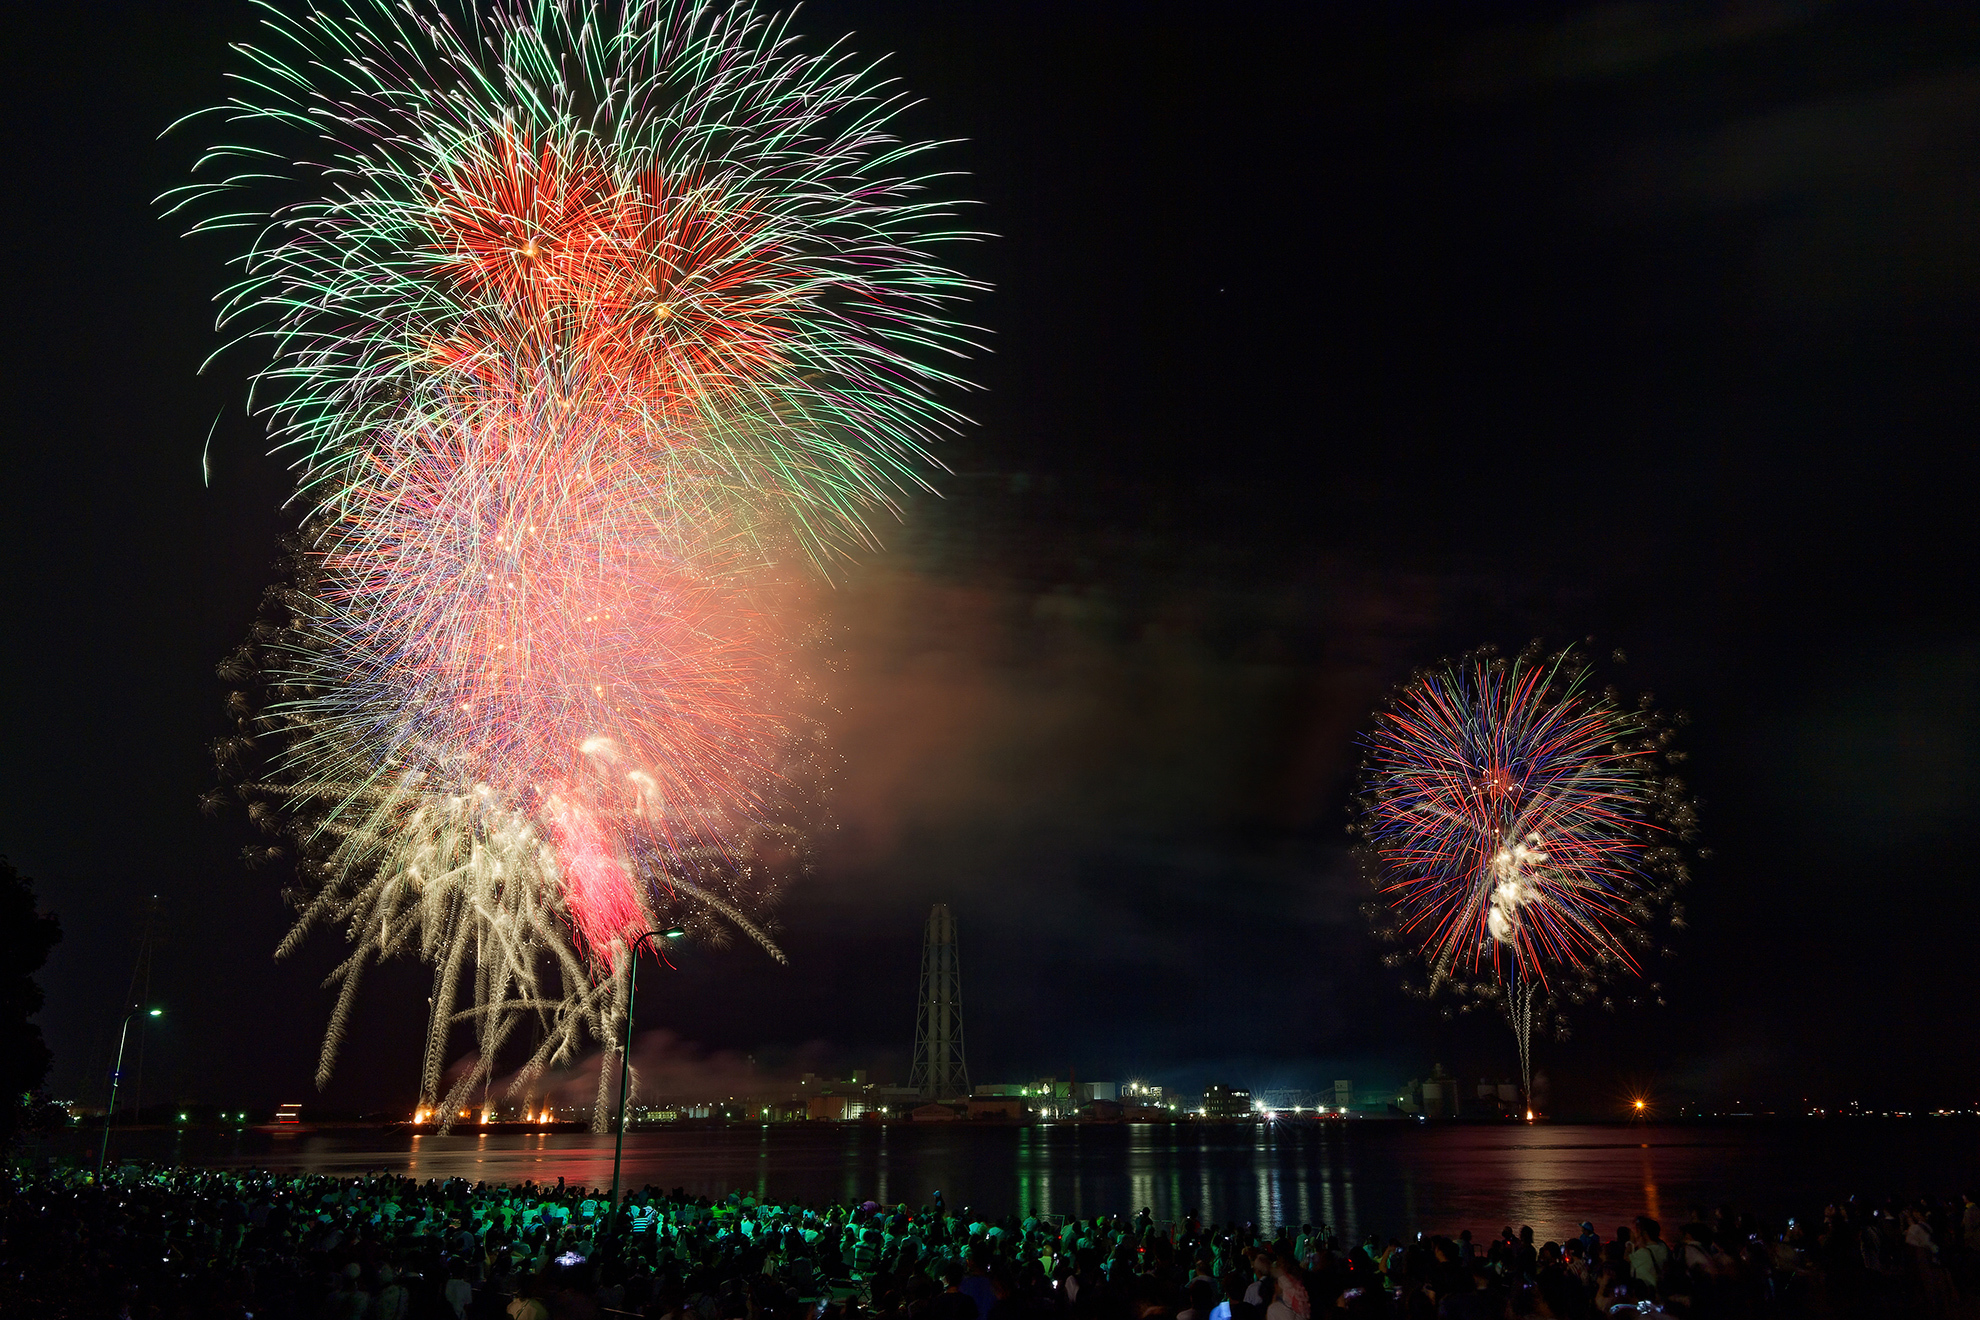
1385	1177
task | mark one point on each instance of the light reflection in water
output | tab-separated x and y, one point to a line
1353	1202
1140	1168
1387	1178
763	1164
1204	1198
880	1189
849	1189
1045	1206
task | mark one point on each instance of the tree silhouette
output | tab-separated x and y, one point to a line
26	936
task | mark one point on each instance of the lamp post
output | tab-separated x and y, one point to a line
625	1055
117	1075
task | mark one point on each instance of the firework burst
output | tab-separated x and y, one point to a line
583	321
665	212
1528	833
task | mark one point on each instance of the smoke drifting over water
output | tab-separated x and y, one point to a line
665	1068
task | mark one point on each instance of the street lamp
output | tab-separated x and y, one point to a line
117	1075
625	1055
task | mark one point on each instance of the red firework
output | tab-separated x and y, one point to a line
661	289
1525	823
513	603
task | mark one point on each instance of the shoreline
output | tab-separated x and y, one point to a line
1004	1123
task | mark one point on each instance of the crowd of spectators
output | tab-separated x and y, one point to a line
171	1242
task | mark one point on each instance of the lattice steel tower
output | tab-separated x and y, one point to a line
939	1072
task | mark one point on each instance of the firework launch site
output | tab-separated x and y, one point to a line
812	1100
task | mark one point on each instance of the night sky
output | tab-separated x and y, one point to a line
1327	341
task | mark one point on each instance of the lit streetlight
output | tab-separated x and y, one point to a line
625	1055
116	1076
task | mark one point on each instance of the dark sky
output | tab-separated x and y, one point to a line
1325	344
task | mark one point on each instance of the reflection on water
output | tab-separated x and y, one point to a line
1391	1178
